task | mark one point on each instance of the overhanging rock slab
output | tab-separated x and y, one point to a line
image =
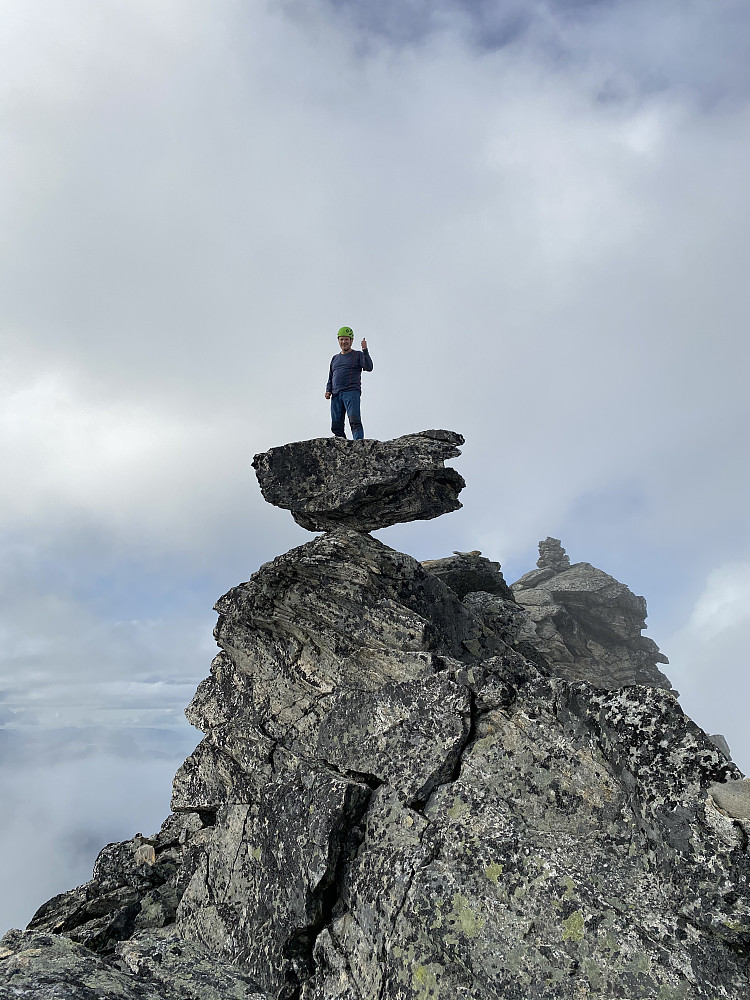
330	483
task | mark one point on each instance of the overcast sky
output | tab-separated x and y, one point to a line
535	212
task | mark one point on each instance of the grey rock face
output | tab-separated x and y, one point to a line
586	624
505	618
468	572
329	483
155	966
183	968
407	808
131	889
721	743
338	675
561	861
393	802
483	590
35	965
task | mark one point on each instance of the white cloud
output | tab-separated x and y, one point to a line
199	197
536	213
709	657
59	816
64	661
519	253
62	448
724	605
136	467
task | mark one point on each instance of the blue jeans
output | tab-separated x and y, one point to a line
349	401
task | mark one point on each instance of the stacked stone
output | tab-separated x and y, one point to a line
552	556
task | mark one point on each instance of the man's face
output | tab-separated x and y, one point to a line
345	343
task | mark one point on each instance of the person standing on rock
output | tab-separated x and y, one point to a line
344	386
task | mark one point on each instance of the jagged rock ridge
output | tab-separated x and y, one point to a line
470	572
586	624
393	802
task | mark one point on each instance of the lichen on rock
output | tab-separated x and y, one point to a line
414	787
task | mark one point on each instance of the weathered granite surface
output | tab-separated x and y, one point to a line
40	965
468	572
482	588
330	483
149	966
393	802
586	624
135	885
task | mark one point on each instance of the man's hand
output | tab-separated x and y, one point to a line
328	395
364	345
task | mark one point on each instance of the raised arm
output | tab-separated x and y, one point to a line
366	359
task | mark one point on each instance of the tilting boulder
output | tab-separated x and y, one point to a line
586	624
330	483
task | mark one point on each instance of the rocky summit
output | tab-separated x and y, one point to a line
331	483
586	624
404	792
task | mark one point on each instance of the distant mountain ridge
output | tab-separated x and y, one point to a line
417	783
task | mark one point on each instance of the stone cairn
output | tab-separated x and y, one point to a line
586	624
552	556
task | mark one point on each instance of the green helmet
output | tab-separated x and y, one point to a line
346	331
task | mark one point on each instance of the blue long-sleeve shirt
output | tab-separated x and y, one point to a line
346	370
